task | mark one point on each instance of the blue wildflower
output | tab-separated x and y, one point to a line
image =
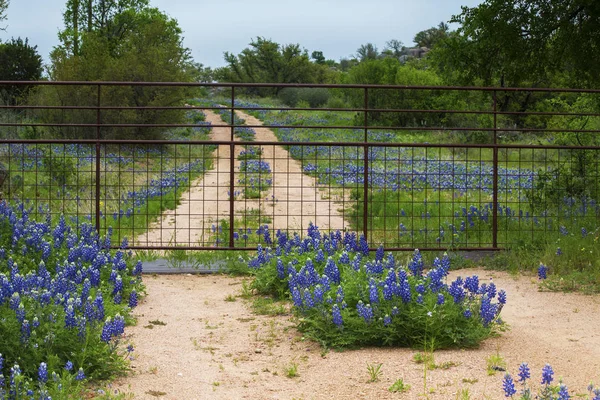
547	374
43	373
542	271
509	386
387	320
502	297
524	372
440	299
563	393
80	375
337	315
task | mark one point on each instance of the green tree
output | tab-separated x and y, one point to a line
108	17
525	43
20	62
394	47
318	57
430	37
149	48
367	52
270	62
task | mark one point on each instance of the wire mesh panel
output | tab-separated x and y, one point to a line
409	167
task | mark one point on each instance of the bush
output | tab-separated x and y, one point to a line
315	97
344	298
64	302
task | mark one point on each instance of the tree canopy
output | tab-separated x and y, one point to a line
268	61
124	40
524	43
19	62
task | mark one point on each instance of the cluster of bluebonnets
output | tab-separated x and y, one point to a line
64	302
548	390
347	297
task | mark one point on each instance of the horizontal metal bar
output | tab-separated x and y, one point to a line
359	109
301	144
376	127
298	85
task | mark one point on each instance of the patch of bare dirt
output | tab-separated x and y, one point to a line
193	342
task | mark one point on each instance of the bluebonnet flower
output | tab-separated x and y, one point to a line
280	269
524	372
332	271
379	253
583	234
502	297
133	299
70	317
344	258
373	293
388	294
547	374
420	288
318	294
491	290
558	251
416	264
467	313
366	312
308	299
542	271
472	284
440	299
456	290
25	331
69	366
509	386
405	292
387	320
296	297
80	375
356	262
339	294
563	393
363	245
420	299
488	311
43	373
337	315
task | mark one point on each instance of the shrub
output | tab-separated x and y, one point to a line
344	298
315	97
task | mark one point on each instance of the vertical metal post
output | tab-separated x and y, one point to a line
366	168
98	159
495	177
231	169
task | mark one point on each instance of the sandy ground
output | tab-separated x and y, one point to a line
193	342
291	203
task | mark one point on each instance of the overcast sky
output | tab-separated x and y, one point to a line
211	27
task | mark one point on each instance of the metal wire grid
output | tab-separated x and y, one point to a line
403	196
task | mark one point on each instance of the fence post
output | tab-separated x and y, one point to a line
231	171
98	158
366	168
495	177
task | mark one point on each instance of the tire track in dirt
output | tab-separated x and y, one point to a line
292	201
